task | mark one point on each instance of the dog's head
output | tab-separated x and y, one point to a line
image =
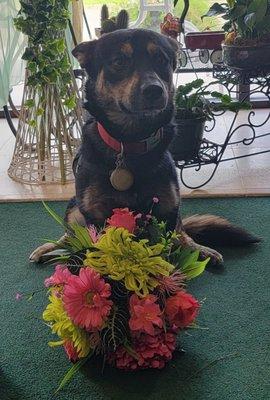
130	88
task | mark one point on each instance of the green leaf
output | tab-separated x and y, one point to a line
74	243
115	332
53	214
28	54
26	8
236	12
250	20
70	102
32	66
32	123
216	9
264	25
191	258
195	269
259	8
40	111
61	45
82	235
227	26
186	260
231	3
29	103
197	83
131	352
71	372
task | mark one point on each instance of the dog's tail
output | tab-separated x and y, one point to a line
210	230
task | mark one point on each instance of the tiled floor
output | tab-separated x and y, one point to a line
243	177
249	176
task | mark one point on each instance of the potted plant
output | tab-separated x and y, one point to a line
111	24
193	107
49	129
247	42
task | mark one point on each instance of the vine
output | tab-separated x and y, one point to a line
44	22
50	121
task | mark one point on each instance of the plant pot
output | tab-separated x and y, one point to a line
246	56
204	40
187	139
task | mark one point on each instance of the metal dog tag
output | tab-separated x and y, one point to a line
121	178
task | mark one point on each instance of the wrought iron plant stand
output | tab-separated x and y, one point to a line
244	85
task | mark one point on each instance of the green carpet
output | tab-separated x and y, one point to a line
228	360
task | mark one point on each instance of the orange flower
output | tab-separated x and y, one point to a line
123	218
181	309
145	314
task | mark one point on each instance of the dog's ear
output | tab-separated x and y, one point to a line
175	47
85	54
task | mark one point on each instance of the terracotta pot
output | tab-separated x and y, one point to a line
246	57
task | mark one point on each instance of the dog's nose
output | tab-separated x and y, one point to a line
152	92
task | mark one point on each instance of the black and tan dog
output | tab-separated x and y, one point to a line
130	96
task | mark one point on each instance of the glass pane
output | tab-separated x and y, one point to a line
154	18
197	8
93	9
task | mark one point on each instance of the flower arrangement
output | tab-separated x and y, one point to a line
171	26
120	292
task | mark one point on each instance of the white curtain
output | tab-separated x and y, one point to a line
12	44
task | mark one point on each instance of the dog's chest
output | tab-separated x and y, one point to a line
99	200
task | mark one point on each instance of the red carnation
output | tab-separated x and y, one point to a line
123	218
151	352
181	309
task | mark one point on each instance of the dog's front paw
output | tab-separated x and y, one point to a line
37	254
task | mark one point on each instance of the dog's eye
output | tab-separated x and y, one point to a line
119	62
161	58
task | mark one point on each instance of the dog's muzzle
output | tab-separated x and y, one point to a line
153	95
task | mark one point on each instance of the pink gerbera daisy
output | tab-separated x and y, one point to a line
86	299
60	276
144	314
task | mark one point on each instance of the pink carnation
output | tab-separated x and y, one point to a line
123	218
144	314
86	299
151	352
60	276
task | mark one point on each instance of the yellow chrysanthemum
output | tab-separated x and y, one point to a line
120	257
60	324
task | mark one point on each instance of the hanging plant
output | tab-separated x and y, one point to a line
50	120
44	22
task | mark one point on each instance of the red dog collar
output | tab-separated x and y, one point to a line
137	147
